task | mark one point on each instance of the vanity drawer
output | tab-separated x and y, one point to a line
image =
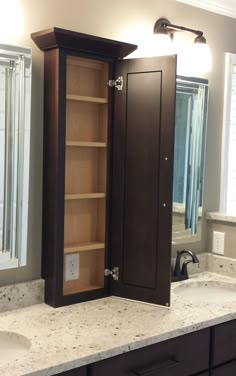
224	343
226	370
181	356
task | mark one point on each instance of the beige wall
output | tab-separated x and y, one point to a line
229	230
128	20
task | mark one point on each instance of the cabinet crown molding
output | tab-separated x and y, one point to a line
79	42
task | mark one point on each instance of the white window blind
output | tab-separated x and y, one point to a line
228	176
231	181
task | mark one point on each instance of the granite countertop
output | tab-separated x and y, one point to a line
76	335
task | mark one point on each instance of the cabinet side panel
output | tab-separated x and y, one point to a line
141	178
53	186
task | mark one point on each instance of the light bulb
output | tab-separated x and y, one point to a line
202	55
193	60
154	45
163	45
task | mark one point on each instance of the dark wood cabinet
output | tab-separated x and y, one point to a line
225	370
142	179
224	343
107	179
175	357
82	371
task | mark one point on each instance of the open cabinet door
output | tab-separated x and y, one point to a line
141	206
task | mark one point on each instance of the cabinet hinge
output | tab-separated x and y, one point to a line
118	83
114	273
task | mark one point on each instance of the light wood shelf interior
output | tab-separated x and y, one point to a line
83	196
91	273
87	78
86	144
84	247
84	98
86	171
84	221
86	122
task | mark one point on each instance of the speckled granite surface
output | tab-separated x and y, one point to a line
72	336
221	265
217	216
212	263
21	295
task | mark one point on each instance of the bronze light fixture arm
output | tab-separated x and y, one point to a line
163	26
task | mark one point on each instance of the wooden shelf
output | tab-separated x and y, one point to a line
82	98
72	288
86	144
82	196
86	171
91	287
84	247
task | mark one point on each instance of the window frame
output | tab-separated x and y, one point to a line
230	61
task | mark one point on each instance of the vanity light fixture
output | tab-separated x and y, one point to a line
164	27
191	60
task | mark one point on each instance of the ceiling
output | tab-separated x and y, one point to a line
225	7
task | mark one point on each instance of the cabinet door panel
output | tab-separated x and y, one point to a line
141	176
224	342
175	357
226	370
143	139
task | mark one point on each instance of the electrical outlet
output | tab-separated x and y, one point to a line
218	242
71	266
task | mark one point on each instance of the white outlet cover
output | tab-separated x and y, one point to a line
218	242
72	266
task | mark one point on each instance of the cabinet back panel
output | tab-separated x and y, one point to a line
141	179
85	170
84	221
87	77
91	273
86	121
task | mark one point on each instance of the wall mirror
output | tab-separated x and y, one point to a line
189	158
15	103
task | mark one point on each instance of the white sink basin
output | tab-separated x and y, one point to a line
207	291
12	346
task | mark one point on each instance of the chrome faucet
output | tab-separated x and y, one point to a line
180	274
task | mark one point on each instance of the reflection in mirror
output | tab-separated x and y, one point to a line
189	157
15	99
